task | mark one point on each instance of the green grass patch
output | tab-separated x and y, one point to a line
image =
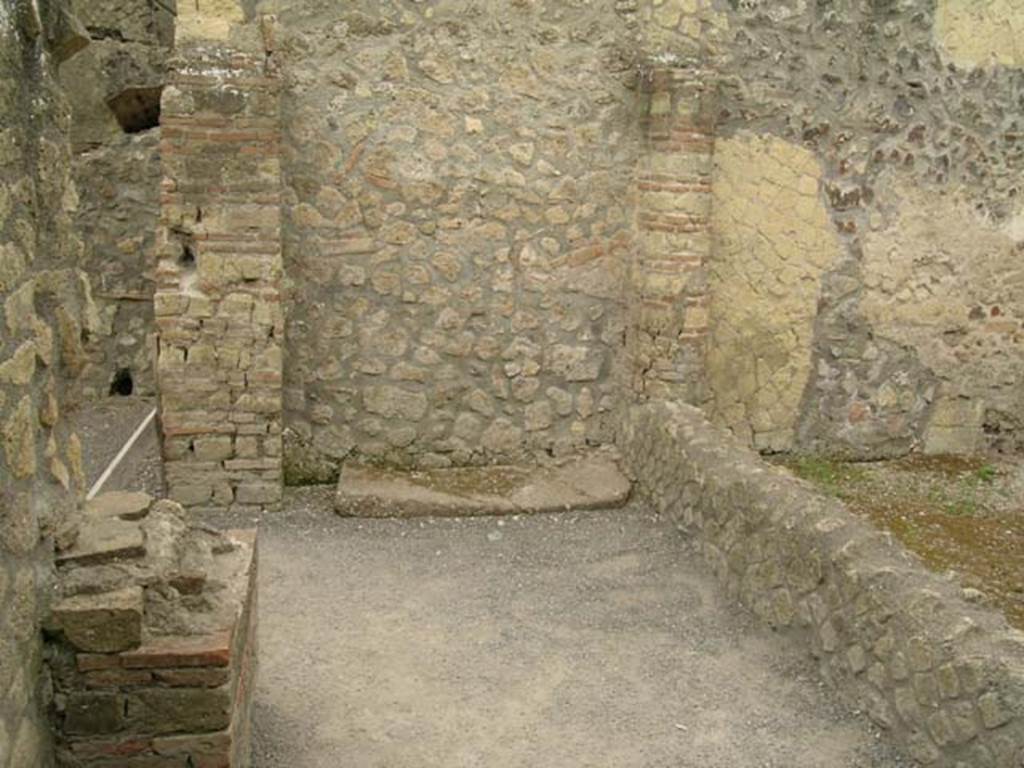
831	475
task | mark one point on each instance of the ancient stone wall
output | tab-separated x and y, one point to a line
418	149
46	311
118	208
942	676
666	342
866	197
218	298
114	88
457	227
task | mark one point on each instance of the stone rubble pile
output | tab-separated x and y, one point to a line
152	639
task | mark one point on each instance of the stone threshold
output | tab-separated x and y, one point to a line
583	483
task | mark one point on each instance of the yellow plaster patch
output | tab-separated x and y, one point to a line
207	19
981	32
773	241
668	20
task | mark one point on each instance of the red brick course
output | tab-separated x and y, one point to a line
673	183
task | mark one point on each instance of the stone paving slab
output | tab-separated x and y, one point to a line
104	541
587	483
126	505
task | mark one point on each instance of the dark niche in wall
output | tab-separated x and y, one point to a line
122	383
137	109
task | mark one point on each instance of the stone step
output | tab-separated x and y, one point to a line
585	483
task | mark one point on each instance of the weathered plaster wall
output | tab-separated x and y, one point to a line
981	32
457	226
46	309
885	98
942	279
772	241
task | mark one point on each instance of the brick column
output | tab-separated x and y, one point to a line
218	298
669	323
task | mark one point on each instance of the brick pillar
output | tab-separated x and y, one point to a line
669	323
218	298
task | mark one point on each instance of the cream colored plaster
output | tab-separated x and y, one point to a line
948	283
207	19
981	32
694	20
773	241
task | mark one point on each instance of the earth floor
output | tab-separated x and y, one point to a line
551	641
963	516
571	639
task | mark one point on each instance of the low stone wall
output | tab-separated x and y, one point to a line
944	677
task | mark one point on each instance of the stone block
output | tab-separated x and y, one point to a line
178	710
258	493
126	505
993	712
94	713
204	751
214	448
105	540
190	495
104	623
19	439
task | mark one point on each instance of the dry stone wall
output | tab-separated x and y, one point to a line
45	309
457	227
943	677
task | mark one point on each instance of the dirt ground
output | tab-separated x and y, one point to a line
104	427
963	516
577	639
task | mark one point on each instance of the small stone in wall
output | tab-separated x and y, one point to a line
538	416
574	363
501	437
20	367
19	440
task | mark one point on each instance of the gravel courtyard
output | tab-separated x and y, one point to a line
578	639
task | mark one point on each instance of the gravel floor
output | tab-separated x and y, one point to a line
590	639
104	426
